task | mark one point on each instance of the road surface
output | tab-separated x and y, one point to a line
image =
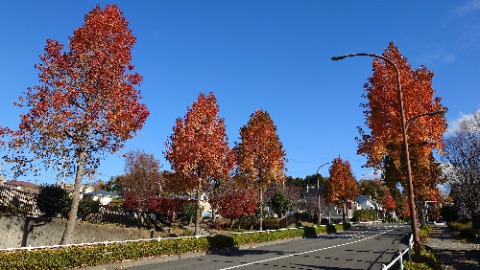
360	248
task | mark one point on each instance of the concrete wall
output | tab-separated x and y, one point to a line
16	231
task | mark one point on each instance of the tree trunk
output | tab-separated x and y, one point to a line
197	211
261	208
214	215
344	211
72	215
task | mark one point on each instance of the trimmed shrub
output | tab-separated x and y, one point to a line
424	232
347	226
429	262
364	215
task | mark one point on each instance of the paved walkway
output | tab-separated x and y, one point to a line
451	253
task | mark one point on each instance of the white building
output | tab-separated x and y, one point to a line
105	197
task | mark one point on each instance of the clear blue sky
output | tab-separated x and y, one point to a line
273	55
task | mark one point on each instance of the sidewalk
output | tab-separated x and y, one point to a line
451	253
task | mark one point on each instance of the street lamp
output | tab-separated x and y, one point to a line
411	196
319	209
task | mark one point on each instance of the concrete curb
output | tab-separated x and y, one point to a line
147	261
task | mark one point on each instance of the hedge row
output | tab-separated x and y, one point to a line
82	256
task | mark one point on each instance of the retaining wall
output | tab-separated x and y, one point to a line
17	231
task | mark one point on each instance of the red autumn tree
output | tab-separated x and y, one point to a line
388	202
383	146
87	103
260	156
142	179
342	185
237	203
198	150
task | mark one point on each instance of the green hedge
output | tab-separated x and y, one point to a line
82	256
424	233
427	256
463	229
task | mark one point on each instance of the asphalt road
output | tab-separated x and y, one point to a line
359	248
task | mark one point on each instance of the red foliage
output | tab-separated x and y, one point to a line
238	204
198	148
382	117
260	156
341	185
165	206
87	103
161	206
130	202
388	202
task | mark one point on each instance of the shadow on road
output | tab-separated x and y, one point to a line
246	252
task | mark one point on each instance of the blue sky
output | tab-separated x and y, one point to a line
252	54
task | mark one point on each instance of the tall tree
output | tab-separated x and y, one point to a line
142	178
259	155
462	152
342	185
198	149
383	146
87	103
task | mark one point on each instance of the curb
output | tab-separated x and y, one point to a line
176	257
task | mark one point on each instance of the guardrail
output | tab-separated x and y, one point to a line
400	255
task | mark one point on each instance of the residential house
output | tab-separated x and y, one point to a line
104	196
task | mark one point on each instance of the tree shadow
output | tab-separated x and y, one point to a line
236	252
459	259
28	228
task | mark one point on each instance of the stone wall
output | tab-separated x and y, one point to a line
17	231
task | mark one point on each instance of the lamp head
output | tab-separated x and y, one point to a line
437	112
340	57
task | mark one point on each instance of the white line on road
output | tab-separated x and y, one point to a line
302	253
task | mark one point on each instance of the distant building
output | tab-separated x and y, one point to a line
84	189
367	203
104	196
23	185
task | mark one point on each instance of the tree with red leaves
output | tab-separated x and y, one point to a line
87	103
142	179
237	203
388	202
341	186
383	147
198	150
260	156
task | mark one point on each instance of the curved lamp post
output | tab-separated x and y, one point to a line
411	196
319	209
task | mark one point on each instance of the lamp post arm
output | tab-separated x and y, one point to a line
423	114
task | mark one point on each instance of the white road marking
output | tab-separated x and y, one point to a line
302	253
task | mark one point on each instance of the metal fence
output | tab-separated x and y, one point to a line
400	255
